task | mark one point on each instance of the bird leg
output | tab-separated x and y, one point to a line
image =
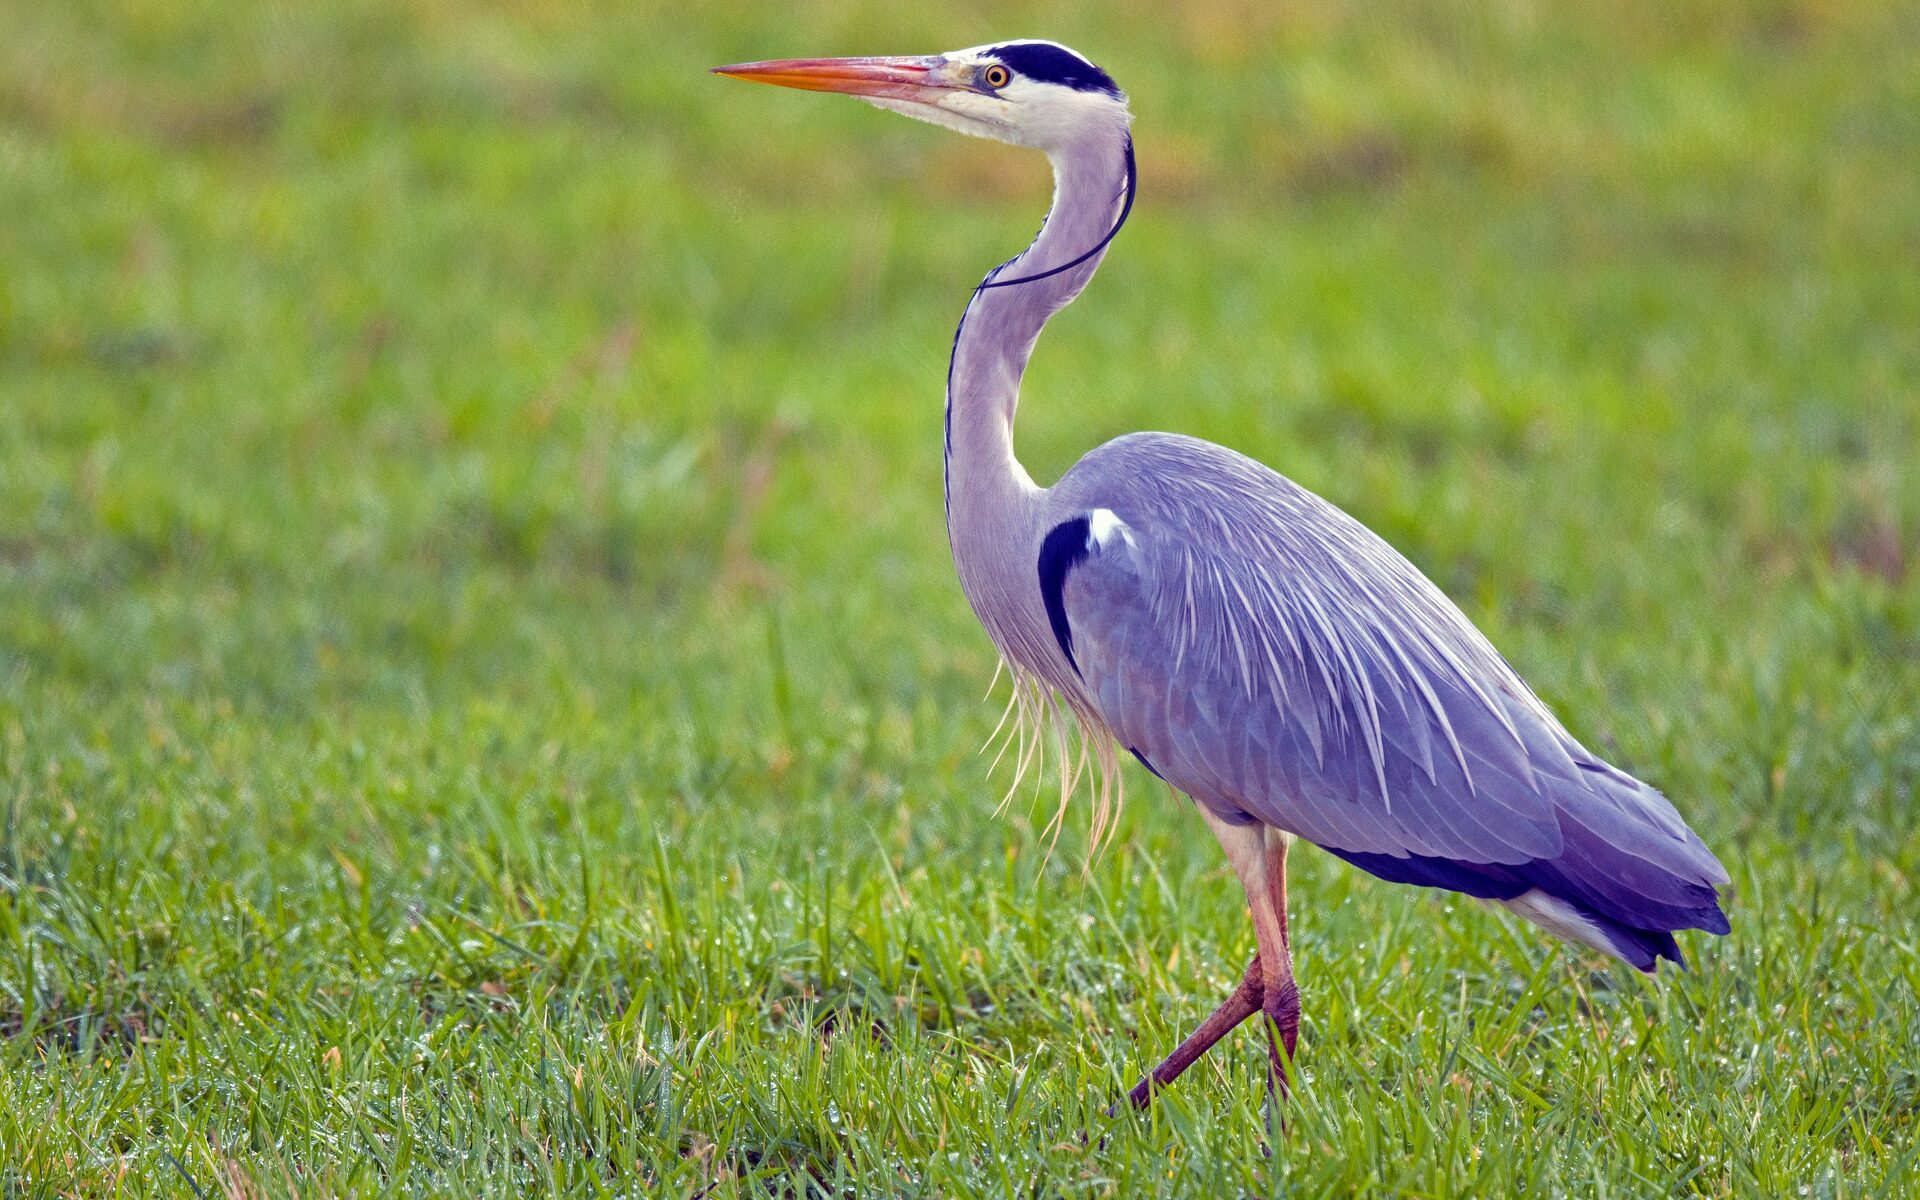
1244	1002
1280	995
1259	858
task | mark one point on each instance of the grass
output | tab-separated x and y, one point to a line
484	703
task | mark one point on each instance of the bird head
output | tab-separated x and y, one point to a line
1029	93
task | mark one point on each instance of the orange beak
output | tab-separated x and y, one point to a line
893	78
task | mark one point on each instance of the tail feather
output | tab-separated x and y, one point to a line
1628	872
1644	948
1560	896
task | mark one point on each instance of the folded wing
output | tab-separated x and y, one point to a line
1268	655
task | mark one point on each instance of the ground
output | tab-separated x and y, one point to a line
485	706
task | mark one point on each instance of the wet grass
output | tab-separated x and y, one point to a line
484	702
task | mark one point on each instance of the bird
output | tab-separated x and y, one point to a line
1253	646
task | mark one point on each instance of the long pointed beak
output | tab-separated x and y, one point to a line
895	78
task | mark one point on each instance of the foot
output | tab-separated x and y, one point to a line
1281	1008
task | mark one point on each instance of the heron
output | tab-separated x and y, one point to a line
1252	645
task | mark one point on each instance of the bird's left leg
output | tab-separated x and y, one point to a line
1280	995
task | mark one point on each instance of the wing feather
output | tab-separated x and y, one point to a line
1272	657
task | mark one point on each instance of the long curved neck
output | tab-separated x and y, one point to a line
1001	324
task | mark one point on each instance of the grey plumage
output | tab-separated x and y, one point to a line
1278	662
1270	656
1252	645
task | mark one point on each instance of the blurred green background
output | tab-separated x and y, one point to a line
484	701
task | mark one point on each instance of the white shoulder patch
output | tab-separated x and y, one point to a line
1104	525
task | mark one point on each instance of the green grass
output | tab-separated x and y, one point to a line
484	702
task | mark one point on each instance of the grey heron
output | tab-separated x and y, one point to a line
1252	645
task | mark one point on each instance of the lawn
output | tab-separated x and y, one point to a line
485	706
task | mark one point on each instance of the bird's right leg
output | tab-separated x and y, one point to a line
1247	849
1244	1002
1259	858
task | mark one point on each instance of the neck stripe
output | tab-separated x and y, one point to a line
1125	210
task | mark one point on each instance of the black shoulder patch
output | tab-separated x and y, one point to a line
1048	63
1065	546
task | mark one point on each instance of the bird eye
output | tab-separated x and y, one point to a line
996	76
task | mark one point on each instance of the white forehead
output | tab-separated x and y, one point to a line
986	49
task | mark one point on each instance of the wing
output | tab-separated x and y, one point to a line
1267	654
